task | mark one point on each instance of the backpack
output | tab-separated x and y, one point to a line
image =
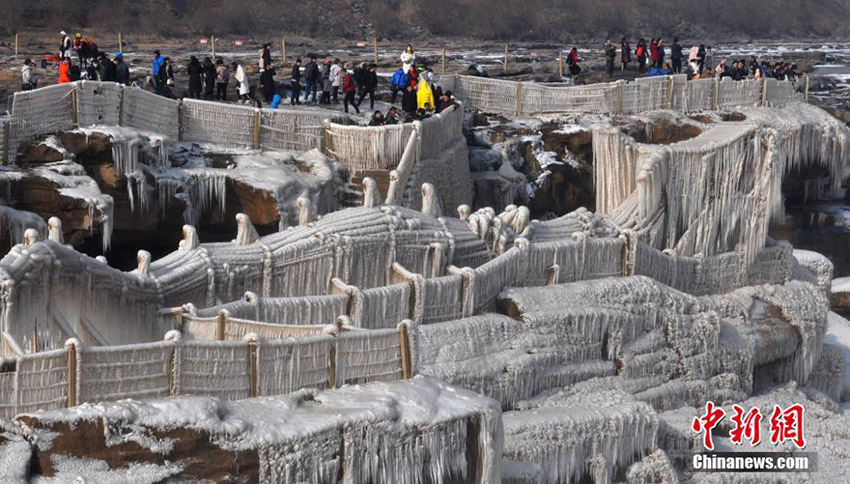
640	51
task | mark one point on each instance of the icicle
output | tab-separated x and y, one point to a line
54	230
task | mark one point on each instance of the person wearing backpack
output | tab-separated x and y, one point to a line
640	53
397	83
311	76
348	90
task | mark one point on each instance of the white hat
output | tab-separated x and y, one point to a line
62	33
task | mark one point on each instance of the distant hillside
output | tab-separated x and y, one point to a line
528	20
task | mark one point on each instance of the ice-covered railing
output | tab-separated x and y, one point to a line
227	369
646	94
68	106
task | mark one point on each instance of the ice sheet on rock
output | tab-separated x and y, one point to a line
418	428
90	471
562	437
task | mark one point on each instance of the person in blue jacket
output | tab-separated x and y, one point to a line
158	60
397	83
659	71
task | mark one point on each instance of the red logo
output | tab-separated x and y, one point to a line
785	425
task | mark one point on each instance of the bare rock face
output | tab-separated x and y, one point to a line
40	154
83	439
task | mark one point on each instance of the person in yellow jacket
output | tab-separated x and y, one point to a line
424	96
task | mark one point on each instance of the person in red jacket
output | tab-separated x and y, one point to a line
64	70
348	88
653	52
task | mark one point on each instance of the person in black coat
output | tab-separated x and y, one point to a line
408	100
369	84
209	78
122	70
676	55
311	76
295	83
195	73
267	84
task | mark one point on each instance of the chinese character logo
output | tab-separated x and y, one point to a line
785	425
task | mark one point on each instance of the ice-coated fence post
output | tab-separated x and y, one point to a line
619	98
560	63
763	91
404	346
4	156
669	102
715	86
253	368
220	323
806	89
180	120
75	105
332	364
518	98
174	337
326	137
71	372
255	139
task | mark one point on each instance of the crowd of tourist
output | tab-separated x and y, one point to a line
323	83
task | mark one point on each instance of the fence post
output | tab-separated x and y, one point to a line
120	43
763	91
212	45
16	44
175	337
179	120
669	103
506	58
332	365
282	51
375	47
121	106
71	373
619	98
326	137
220	324
253	342
560	63
6	138
444	62
806	91
404	346
714	88
75	106
519	99
255	141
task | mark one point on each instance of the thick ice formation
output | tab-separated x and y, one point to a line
716	192
404	432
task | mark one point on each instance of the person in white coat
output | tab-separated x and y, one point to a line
65	46
242	78
336	79
408	58
28	79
